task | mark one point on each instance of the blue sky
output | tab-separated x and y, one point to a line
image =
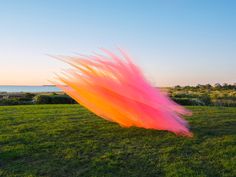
175	42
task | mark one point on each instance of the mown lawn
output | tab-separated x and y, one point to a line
67	140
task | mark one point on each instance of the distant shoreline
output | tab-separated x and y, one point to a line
28	89
27	85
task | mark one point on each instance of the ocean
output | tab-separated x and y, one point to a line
29	89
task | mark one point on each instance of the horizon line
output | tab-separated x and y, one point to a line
154	85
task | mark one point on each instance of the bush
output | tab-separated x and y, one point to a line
206	99
53	99
62	99
4	102
42	99
227	103
185	95
188	101
14	101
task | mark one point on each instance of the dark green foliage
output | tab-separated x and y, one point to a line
69	141
189	101
206	99
62	99
29	95
15	101
42	99
53	99
8	102
19	99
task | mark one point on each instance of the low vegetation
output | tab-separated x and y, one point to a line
68	140
205	95
200	95
40	98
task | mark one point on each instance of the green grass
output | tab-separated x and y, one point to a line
67	140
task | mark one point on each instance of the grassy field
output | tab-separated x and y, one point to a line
67	140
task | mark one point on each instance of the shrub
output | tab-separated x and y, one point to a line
206	99
62	99
14	101
4	102
42	99
53	99
228	103
189	101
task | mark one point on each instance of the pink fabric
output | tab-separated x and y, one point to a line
115	89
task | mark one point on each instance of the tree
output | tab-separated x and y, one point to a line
217	86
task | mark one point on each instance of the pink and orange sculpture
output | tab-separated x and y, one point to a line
115	89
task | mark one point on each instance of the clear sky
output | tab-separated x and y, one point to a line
175	42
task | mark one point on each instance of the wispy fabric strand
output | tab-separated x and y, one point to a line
115	89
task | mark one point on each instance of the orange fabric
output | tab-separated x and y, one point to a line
116	90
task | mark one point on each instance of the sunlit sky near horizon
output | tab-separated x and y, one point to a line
175	42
